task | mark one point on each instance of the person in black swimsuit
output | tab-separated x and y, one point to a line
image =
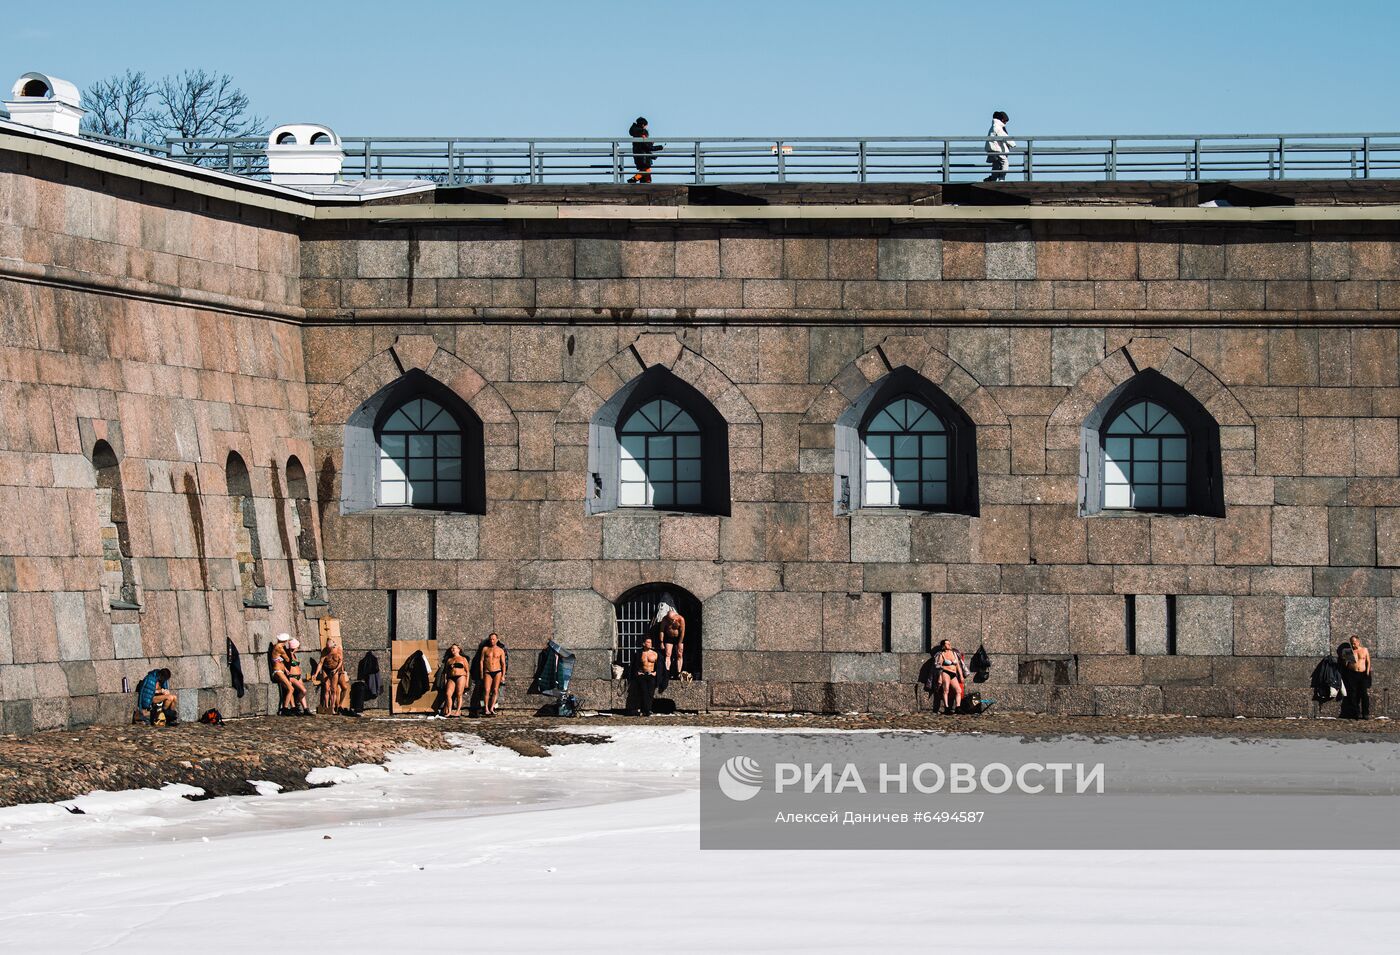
493	672
456	667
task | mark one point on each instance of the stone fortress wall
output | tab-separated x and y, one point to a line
178	329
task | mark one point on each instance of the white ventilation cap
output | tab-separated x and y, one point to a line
46	102
301	154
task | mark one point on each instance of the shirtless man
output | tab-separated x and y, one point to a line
493	672
335	682
672	627
644	672
1362	706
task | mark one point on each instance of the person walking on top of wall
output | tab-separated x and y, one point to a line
642	150
999	147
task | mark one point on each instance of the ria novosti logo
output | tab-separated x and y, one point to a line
740	778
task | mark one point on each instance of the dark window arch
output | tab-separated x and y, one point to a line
905	444
414	444
1150	446
635	613
252	576
310	576
658	443
118	568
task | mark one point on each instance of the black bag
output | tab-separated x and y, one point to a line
358	693
212	717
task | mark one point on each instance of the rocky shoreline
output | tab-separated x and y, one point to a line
61	764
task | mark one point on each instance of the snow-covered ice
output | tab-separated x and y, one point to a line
595	849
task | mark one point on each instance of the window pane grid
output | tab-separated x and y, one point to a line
420	457
906	457
660	458
1145	460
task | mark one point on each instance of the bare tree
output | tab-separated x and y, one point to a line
120	106
197	104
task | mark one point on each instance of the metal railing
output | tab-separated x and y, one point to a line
686	160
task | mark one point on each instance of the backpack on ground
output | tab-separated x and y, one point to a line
212	717
358	694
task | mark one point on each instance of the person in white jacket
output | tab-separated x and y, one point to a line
998	146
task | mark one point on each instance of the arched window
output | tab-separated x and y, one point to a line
906	457
1151	446
904	444
420	456
659	443
636	613
118	569
660	463
414	444
1144	460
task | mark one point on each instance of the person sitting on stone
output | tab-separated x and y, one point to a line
286	673
455	669
156	703
330	675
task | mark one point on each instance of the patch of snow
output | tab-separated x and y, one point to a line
558	850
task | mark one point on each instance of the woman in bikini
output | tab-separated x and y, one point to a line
455	667
286	672
950	676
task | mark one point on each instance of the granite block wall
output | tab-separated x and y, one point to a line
178	329
125	321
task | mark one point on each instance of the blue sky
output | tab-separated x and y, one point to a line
763	67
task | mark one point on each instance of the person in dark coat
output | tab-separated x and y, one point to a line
642	150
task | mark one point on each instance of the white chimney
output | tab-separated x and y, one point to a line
46	102
302	154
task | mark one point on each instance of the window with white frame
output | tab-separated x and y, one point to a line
420	457
905	457
1145	460
660	458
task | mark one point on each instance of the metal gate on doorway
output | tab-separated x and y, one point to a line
636	611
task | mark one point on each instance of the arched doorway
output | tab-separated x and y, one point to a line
636	612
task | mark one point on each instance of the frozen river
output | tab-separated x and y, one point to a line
596	849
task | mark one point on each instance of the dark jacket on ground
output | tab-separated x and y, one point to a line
235	667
